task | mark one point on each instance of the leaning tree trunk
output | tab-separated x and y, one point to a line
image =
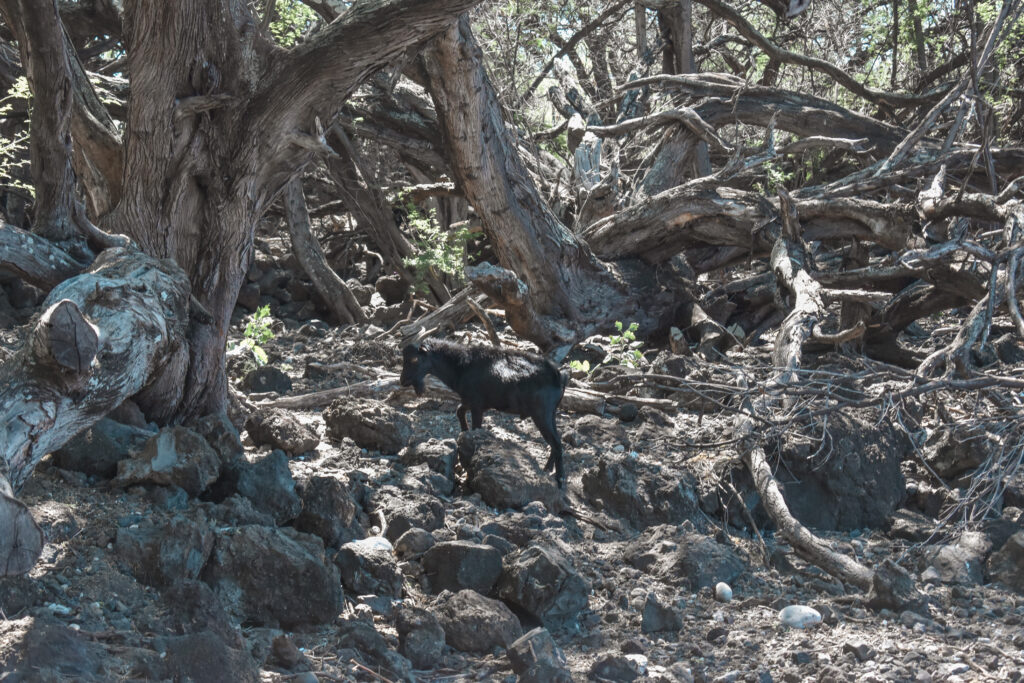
548	272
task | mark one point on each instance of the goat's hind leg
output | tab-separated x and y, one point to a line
549	431
460	412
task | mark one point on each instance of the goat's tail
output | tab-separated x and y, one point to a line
565	380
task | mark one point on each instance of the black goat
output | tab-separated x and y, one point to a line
523	384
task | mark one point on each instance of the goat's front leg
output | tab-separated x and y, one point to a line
460	412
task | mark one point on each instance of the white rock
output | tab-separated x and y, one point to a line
723	593
373	543
799	616
639	663
60	610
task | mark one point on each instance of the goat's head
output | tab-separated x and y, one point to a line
415	366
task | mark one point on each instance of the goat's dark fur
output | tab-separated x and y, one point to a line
523	384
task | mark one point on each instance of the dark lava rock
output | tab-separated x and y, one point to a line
543	583
176	456
617	668
249	296
268	483
97	450
1007	564
892	587
438	455
855	483
962	562
274	576
1008	349
50	651
193	607
373	425
683	556
537	659
222	436
639	492
473	623
504	473
953	449
393	288
658	617
368	567
366	641
454	565
286	654
202	658
129	413
414	543
911	526
1013	491
862	651
280	429
420	636
165	554
267	378
328	510
406	510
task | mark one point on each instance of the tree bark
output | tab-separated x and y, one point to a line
332	289
37	25
559	276
103	334
218	121
372	212
34	259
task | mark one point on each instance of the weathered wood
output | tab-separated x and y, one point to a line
788	263
692	215
67	337
129	311
21	539
36	260
806	544
37	25
562	277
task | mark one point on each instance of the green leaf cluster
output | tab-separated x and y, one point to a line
257	332
438	251
292	19
14	150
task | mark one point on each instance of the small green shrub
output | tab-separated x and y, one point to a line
624	349
257	332
438	252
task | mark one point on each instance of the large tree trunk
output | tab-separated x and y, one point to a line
218	121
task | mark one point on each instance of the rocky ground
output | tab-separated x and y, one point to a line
363	538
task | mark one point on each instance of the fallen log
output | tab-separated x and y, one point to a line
103	334
798	327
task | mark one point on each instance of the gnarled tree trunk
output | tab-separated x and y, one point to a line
549	273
